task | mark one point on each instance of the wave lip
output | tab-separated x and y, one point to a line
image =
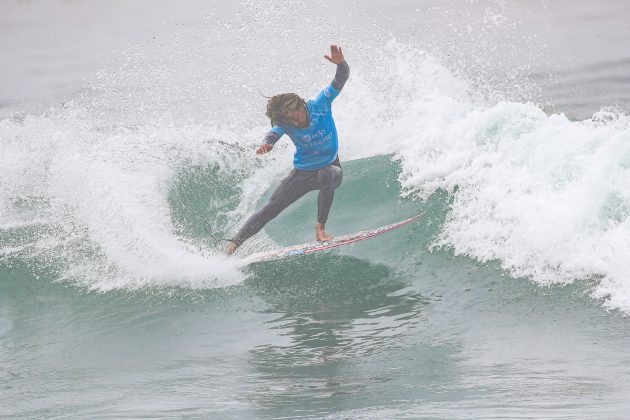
547	197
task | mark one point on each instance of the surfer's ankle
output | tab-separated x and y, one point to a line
321	234
230	248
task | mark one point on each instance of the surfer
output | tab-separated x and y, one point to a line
311	128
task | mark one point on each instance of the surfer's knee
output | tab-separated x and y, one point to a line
324	175
330	176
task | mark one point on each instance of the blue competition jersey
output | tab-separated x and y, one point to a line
316	146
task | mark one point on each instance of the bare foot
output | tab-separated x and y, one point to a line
321	234
230	248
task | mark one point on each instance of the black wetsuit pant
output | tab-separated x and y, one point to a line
290	189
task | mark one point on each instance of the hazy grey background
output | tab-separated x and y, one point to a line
573	54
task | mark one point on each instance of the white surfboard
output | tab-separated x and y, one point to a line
312	247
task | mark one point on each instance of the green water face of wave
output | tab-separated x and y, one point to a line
382	328
368	197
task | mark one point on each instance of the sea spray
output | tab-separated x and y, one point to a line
542	194
545	196
103	192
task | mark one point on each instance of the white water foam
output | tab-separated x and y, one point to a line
104	193
547	197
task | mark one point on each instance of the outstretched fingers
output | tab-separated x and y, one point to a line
336	55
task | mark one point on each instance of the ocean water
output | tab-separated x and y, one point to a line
124	126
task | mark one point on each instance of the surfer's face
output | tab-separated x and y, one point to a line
297	118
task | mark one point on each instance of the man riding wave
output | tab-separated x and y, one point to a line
311	128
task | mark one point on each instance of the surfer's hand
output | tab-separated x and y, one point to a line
336	56
264	148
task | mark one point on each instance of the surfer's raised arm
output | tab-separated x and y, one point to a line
279	111
343	70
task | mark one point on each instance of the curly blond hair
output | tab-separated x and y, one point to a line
280	105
